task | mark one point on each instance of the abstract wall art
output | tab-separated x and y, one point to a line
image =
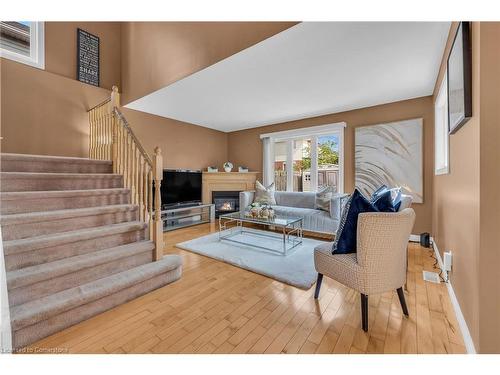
390	154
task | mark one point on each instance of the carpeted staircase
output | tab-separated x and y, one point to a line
73	244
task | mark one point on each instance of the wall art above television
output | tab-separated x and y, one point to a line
460	78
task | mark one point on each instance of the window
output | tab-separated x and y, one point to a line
304	159
441	156
23	42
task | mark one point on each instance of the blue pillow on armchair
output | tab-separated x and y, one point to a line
345	240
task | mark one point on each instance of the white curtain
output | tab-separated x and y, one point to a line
267	161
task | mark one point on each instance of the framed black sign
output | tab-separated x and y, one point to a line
87	57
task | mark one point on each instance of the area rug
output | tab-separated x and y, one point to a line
296	268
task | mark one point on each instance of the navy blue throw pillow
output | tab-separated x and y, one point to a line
345	240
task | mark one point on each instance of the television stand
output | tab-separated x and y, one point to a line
180	205
181	217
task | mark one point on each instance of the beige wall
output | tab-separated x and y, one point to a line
489	262
183	145
156	54
60	49
466	201
44	113
456	201
245	146
45	110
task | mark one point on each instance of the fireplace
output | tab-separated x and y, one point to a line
226	202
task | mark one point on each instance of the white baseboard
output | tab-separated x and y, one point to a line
469	344
414	238
438	256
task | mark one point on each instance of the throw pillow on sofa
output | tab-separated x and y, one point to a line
378	192
323	199
346	237
264	194
386	200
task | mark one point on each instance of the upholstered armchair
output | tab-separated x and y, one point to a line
379	264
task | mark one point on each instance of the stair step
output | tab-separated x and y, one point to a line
35	282
37	319
31	181
48	248
24	225
34	201
56	164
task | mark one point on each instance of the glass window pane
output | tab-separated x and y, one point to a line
302	164
328	161
280	166
15	37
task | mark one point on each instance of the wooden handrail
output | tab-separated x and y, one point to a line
125	123
107	100
111	138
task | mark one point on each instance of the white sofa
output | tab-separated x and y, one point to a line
301	204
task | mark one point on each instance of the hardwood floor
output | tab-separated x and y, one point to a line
218	308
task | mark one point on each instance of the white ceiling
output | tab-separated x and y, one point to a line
311	69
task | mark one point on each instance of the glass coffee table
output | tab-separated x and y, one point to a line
232	229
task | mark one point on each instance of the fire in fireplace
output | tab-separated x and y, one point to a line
227	206
225	202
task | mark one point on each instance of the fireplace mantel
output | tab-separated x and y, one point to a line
227	181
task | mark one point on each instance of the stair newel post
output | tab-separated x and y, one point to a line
158	224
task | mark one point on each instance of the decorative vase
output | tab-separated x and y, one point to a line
228	166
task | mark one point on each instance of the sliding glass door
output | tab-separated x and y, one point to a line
301	152
305	159
280	162
328	161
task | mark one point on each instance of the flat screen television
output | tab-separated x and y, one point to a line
180	187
